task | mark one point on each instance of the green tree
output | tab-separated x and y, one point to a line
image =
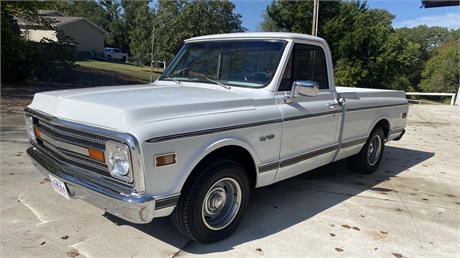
176	21
141	31
441	73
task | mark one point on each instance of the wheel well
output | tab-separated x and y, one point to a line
385	125
238	154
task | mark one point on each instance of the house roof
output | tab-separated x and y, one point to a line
61	21
439	3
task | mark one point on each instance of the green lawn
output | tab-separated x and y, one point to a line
120	70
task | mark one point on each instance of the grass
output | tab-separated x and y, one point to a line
119	69
88	73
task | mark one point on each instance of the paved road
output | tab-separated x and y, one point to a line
408	208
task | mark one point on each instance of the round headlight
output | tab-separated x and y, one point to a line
120	161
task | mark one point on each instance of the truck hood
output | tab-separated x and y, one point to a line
122	107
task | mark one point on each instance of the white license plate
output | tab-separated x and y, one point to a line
59	187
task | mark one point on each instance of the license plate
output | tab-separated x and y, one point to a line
59	187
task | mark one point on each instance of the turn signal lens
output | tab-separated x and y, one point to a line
163	160
96	154
37	132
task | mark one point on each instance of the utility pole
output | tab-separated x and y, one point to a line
314	26
151	55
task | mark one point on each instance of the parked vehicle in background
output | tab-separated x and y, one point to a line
115	53
231	112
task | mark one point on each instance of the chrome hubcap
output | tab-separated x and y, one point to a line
221	203
374	150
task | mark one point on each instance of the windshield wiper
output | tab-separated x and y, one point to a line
178	71
218	83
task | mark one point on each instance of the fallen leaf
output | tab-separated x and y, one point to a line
398	209
19	154
431	242
259	249
11	174
397	255
375	248
425	166
345	226
332	225
73	254
450	195
383	193
416	190
362	216
339	249
65	237
424	199
356	228
43	243
332	235
383	232
46	180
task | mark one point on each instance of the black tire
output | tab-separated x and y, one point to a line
368	159
109	57
213	202
123	59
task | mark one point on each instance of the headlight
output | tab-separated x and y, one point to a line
30	128
118	160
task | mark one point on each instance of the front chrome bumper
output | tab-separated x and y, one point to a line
128	206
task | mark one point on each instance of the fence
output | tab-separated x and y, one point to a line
452	95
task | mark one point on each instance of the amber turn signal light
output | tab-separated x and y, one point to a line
96	154
167	159
37	132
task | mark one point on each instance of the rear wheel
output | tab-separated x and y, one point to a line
368	159
109	57
123	59
213	202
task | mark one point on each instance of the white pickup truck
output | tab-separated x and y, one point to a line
231	112
115	53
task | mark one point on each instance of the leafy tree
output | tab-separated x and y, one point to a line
176	21
441	73
141	31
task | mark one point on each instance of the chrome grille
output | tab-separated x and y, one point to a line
75	133
73	136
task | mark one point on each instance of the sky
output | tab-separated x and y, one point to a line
408	13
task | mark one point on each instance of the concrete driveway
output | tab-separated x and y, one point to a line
408	208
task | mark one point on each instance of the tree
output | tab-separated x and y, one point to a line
141	31
441	73
176	21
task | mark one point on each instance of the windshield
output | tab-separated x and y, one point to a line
235	63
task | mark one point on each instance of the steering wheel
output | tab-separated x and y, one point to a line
260	76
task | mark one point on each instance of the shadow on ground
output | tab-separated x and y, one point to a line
311	193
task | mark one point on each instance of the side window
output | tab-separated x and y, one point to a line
306	62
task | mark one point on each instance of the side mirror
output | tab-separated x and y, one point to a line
306	88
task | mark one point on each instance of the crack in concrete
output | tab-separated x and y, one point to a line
180	250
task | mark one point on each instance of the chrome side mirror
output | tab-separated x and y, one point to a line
306	88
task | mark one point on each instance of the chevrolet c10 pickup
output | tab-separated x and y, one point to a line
232	112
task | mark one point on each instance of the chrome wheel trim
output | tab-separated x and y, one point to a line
221	203
374	150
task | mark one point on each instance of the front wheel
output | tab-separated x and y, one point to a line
123	59
213	202
368	159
